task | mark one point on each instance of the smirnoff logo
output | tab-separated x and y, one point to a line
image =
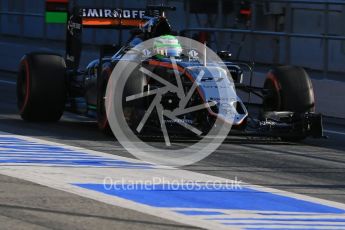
113	13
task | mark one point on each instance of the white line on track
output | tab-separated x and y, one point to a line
8	82
334	132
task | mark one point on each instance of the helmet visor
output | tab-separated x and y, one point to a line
169	51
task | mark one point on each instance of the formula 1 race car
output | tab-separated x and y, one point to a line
49	84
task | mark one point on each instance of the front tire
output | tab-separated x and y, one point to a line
289	89
102	119
41	87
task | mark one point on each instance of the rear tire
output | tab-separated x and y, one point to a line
41	87
290	89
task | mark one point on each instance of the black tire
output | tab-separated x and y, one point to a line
41	87
134	110
102	119
290	89
133	85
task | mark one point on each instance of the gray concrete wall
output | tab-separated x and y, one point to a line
307	18
309	53
12	50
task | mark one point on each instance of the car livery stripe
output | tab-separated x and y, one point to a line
112	22
56	17
56	11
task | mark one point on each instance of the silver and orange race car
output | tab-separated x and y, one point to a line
49	84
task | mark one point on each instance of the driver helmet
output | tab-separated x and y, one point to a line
167	46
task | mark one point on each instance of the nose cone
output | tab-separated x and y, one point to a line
216	86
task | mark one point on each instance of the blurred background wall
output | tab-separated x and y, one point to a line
23	19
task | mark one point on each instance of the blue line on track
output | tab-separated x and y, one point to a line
285	224
291	228
18	151
281	220
220	198
199	213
